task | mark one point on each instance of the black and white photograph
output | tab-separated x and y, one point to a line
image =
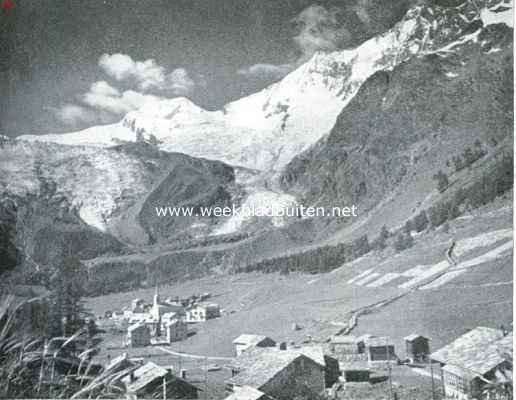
256	199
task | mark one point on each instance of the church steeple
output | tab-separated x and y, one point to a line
156	294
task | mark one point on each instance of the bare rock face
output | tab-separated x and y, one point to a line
442	100
86	201
347	126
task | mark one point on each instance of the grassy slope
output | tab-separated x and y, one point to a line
270	304
387	128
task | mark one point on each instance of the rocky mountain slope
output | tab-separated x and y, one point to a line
267	129
60	200
98	183
370	126
421	110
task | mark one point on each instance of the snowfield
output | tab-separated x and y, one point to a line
265	130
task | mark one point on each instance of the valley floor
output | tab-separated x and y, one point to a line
437	300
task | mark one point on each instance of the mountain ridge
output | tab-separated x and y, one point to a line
402	114
265	130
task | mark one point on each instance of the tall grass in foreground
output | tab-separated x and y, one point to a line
32	366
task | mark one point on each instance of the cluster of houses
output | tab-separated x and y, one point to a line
165	321
478	360
357	355
266	370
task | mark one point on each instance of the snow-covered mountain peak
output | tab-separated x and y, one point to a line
267	129
167	108
172	112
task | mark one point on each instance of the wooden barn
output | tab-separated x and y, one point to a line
355	371
379	348
152	381
247	341
346	344
417	348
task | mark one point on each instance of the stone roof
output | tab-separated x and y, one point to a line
250	340
144	375
452	369
378	341
147	374
346	339
352	357
477	351
413	337
313	352
258	365
247	393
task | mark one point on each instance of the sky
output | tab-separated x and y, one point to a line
69	64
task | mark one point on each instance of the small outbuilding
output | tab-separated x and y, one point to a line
379	348
417	347
346	344
355	371
247	341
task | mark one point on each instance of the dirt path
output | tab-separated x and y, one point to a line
195	356
355	314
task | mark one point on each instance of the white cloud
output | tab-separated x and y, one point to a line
318	28
266	71
104	88
180	82
72	114
148	75
103	102
104	97
119	66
